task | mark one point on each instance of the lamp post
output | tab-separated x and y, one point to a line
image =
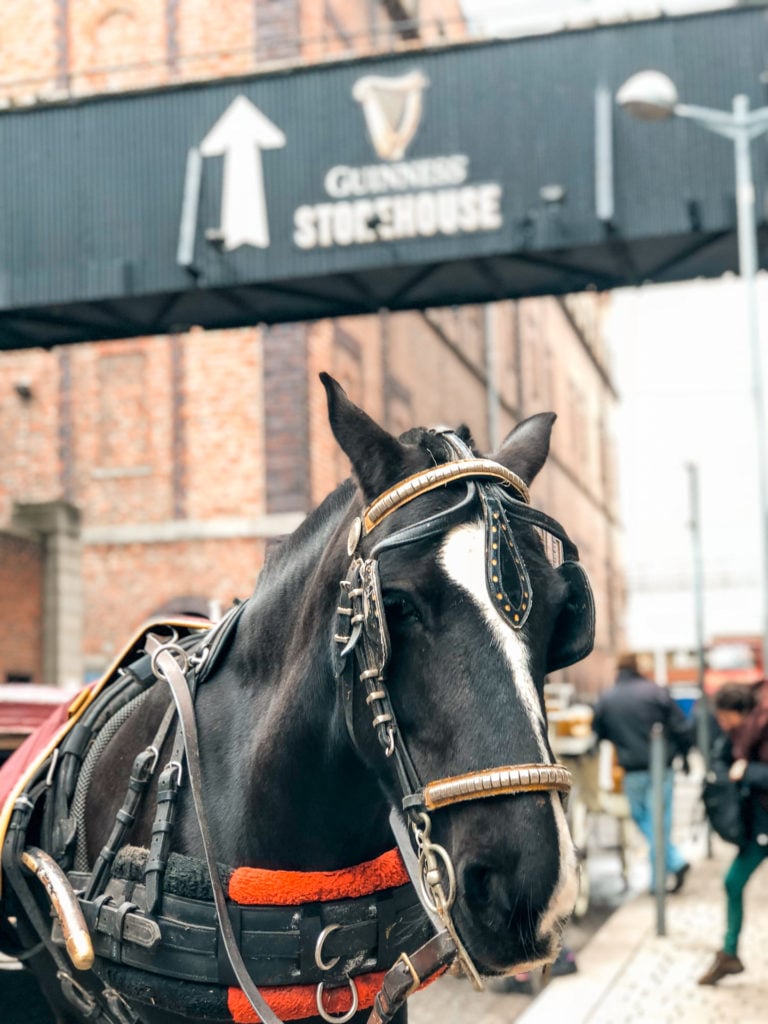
652	96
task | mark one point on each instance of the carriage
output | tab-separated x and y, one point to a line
341	789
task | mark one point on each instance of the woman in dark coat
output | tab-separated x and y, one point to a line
742	714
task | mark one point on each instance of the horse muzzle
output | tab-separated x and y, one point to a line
515	878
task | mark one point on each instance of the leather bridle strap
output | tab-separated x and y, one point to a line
520	778
165	665
362	605
430	479
408	973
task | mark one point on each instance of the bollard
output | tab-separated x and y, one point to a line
704	743
658	771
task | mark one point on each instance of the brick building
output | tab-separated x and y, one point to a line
153	473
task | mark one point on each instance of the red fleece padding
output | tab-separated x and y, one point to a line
292	1002
290	888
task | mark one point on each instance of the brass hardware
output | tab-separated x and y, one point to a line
524	778
429	480
77	940
405	960
353	538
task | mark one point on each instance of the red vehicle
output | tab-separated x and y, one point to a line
23	707
733	659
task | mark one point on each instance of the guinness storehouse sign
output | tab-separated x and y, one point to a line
464	174
398	199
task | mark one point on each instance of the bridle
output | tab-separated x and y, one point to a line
364	651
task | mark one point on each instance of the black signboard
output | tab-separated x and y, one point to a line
435	177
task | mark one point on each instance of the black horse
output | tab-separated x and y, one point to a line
386	673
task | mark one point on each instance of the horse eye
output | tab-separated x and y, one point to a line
400	609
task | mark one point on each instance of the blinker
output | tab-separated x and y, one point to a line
506	576
505	498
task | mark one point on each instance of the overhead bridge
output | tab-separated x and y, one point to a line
435	177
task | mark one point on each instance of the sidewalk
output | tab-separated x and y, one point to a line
629	975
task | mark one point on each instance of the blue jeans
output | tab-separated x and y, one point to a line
637	786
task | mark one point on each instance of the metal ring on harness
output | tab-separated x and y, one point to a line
178	654
344	1017
78	996
431	879
325	965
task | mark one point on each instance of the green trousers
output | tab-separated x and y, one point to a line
744	865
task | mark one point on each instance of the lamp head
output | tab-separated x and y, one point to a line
648	95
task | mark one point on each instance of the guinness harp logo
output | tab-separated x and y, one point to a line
392	108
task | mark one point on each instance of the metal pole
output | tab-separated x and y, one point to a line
702	705
748	263
491	389
658	770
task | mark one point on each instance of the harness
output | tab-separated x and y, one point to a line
189	942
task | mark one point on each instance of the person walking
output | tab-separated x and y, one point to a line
742	715
625	715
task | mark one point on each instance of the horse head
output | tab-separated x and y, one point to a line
455	611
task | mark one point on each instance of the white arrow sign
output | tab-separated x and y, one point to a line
239	135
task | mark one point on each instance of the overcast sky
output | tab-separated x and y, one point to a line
502	16
684	372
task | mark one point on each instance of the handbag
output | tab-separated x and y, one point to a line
724	806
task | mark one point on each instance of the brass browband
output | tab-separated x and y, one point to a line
521	778
430	479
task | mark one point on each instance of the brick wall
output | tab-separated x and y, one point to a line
126	583
21	611
286	435
222	416
29	421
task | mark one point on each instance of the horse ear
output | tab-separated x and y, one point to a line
377	457
525	448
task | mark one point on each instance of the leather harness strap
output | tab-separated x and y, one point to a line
167	667
409	973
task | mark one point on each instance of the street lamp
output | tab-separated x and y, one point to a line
652	96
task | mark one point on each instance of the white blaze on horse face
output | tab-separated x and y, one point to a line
564	897
463	558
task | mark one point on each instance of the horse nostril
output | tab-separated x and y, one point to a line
486	886
477	885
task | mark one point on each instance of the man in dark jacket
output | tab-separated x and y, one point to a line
742	714
625	715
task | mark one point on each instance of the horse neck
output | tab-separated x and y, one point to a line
299	795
